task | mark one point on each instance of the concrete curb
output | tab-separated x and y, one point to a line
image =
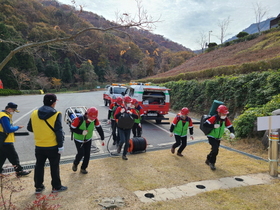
193	188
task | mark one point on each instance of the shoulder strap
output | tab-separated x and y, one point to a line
81	120
49	125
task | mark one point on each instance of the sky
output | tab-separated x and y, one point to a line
186	21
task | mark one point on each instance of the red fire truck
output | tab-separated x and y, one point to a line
153	99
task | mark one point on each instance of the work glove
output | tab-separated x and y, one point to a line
85	132
191	136
171	134
122	110
60	150
216	125
231	135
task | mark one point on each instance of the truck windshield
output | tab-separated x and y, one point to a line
119	90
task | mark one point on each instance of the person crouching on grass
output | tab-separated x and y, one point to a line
179	127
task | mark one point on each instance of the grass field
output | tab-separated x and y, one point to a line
111	177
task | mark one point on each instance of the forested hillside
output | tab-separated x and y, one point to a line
92	58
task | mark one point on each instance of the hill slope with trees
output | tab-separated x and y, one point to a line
95	56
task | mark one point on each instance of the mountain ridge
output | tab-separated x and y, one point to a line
253	28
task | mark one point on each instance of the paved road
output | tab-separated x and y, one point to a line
157	135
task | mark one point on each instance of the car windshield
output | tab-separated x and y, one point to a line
119	90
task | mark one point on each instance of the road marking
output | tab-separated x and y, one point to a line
159	127
98	144
165	144
15	121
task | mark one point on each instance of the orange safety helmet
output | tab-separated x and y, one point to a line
184	111
127	99
134	101
92	113
119	100
222	109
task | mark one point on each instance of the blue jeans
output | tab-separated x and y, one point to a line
124	139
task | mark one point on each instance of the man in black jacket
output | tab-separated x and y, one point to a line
46	125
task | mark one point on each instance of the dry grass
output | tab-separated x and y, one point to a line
111	177
264	47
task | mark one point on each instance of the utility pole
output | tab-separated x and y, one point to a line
209	38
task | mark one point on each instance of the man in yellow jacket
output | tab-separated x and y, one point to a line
46	124
7	149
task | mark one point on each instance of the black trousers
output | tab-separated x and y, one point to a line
180	141
124	139
215	144
54	158
115	134
83	150
8	152
136	130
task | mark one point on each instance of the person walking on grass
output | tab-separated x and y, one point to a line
7	139
82	128
46	124
218	122
180	126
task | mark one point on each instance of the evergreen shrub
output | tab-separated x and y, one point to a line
7	92
246	124
242	92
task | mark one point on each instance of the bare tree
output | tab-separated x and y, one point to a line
223	24
43	82
140	20
260	12
19	77
202	40
32	81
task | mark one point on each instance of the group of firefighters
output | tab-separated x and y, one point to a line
120	135
179	127
83	126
